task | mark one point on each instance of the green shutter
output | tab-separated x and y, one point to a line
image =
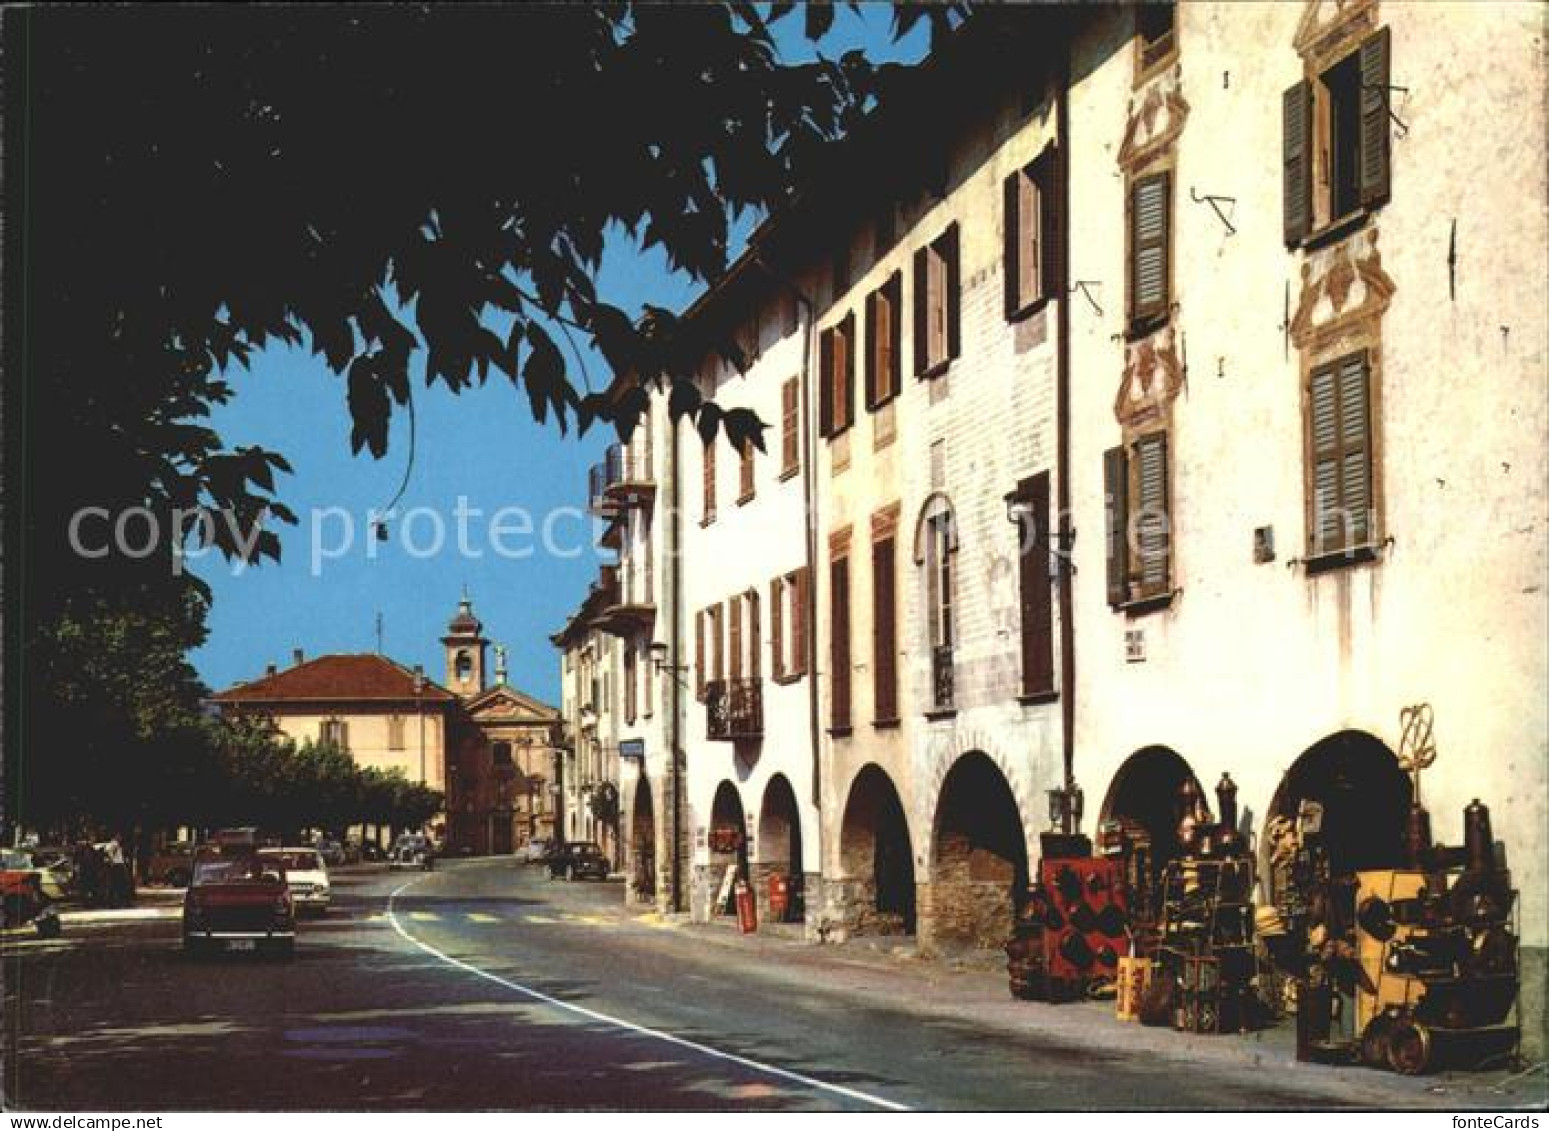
1116	493
1355	494
1375	134
1296	160
1324	530
1152	533
1148	245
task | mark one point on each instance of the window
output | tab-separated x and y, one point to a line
1035	550
936	316
940	544
500	754
1149	270
1139	558
883	332
837	377
1336	155
1155	25
1031	234
745	473
335	732
788	630
1341	512
790	427
707	516
884	629
631	683
839	644
395	732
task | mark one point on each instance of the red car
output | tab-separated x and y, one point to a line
238	900
21	894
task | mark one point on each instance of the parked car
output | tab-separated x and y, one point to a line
173	865
579	860
412	850
306	875
22	897
56	871
331	851
238	900
535	850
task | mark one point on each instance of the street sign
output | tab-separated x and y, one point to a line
632	748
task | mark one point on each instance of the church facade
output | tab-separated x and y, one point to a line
487	746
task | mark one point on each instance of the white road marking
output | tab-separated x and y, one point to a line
422	916
629	1026
481	917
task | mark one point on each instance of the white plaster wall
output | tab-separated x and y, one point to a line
368	733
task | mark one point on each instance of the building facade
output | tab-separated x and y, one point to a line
1168	402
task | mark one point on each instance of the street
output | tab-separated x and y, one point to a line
486	985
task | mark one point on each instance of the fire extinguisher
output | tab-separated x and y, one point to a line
747	910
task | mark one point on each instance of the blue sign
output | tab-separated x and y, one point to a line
632	748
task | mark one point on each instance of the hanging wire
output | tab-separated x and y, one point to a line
408	470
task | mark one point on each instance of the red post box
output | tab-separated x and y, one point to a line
779	897
747	911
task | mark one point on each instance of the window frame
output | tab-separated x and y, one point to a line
1030	204
938	300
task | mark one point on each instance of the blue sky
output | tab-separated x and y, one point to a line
481	445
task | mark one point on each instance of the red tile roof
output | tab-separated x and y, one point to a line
358	676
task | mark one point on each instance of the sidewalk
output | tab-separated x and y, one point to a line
971	988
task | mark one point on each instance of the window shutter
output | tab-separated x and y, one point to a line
846	405
799	622
1296	160
1030	204
953	279
344	736
776	629
1323	533
734	619
790	437
1355	494
746	483
755	638
699	653
1152	527
1116	489
873	300
1148	242
884	632
921	311
895	336
709	481
718	642
1011	259
1051	253
839	586
826	383
1375	135
1037	607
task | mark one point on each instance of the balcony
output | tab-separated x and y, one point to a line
734	710
623	479
630	605
941	677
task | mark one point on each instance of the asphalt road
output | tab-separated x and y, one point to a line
486	986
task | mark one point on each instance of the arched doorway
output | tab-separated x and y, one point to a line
642	842
728	845
779	846
1144	802
876	858
1364	795
980	868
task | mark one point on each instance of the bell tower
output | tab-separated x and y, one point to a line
465	645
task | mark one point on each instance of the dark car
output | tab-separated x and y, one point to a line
579	860
238	900
412	850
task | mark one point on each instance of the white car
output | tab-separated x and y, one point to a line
307	875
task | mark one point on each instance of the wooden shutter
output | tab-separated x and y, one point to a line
839	658
826	383
755	641
799	620
893	371
1011	257
709	481
882	333
873	301
1037	607
844	411
1296	161
1339	407
734	620
1116	490
746	483
344	736
884	631
790	422
953	297
717	643
1030	205
1152	527
921	312
777	628
1051	253
1148	248
1375	135
699	653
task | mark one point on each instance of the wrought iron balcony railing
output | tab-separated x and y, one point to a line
734	709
